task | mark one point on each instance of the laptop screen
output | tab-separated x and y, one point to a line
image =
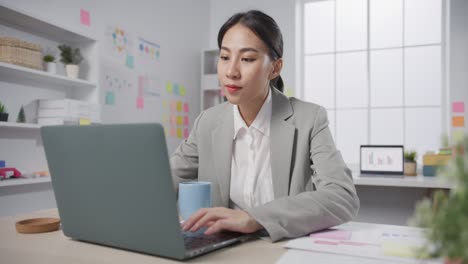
382	159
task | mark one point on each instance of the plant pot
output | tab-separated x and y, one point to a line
72	71
3	117
410	168
51	67
453	261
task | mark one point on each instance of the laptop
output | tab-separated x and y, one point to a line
113	186
382	161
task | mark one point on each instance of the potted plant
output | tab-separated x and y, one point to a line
446	216
71	58
50	64
21	116
410	163
3	113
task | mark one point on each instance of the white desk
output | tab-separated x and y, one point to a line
54	247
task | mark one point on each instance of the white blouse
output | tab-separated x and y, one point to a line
251	182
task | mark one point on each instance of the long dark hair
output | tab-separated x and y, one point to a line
265	28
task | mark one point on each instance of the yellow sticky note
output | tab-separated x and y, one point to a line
458	121
289	92
165	118
179	132
180	120
457	136
179	106
169	87
166	130
395	249
85	121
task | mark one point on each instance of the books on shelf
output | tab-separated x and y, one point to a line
67	111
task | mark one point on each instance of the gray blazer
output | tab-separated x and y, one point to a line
313	187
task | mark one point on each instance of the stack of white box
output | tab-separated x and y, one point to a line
67	111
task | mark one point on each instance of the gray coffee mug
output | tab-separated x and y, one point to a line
193	196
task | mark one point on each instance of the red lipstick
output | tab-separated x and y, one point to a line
232	88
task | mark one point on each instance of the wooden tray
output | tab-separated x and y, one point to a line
37	225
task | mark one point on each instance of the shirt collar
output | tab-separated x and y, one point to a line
261	122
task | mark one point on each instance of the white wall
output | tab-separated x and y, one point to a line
178	26
282	11
458	57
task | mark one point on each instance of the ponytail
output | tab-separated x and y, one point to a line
278	83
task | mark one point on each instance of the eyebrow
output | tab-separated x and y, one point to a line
241	50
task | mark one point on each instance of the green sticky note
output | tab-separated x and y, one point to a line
182	90
169	87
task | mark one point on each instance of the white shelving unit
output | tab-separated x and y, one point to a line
210	88
19	125
25	76
20	85
41	26
17	182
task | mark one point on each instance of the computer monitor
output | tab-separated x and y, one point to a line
382	159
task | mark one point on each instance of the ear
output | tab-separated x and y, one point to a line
277	66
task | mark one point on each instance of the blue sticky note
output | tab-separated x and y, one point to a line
176	88
110	98
2	164
129	61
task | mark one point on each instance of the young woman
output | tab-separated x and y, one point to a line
271	159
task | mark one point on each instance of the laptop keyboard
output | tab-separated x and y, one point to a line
200	241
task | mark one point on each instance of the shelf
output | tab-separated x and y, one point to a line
19	125
41	26
212	90
26	76
16	182
419	181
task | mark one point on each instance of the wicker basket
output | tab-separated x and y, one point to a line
21	53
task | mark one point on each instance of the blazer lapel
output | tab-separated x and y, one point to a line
221	141
281	143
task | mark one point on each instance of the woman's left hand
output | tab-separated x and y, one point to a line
220	218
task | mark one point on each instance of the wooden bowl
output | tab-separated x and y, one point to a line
37	225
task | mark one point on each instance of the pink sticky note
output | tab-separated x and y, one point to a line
186	132
458	107
84	17
173	120
333	234
173	106
140	102
186	107
141	82
186	120
326	242
173	131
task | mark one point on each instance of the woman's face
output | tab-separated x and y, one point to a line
244	67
